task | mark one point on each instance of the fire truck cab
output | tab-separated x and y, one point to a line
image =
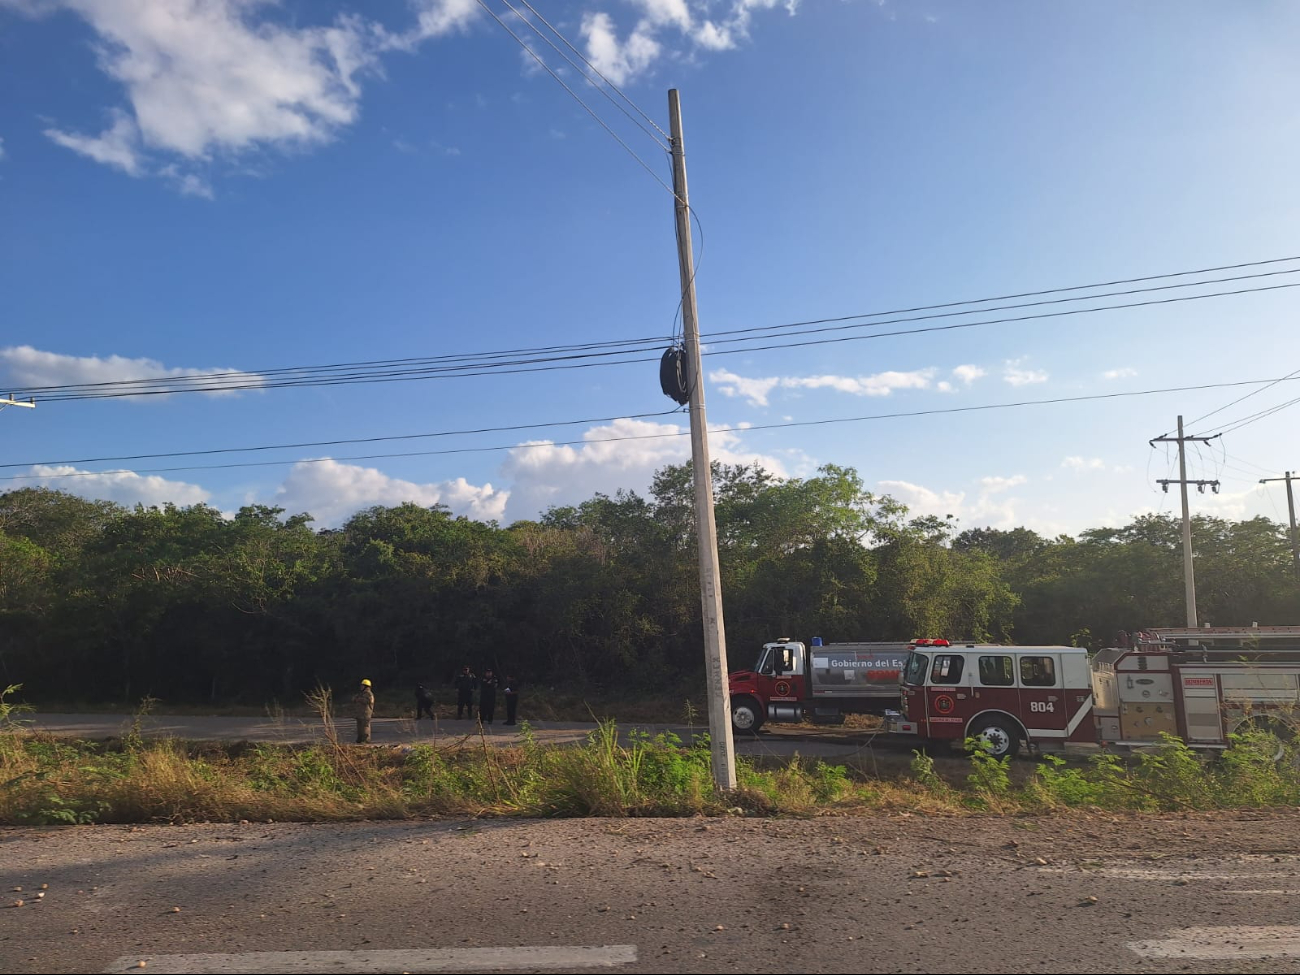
1001	696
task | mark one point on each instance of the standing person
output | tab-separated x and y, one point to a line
465	683
511	692
487	696
363	709
423	702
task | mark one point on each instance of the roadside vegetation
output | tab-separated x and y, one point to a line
46	781
598	602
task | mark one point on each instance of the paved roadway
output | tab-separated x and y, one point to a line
821	742
874	894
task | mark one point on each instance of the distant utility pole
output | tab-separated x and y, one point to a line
1290	504
1189	573
10	401
715	638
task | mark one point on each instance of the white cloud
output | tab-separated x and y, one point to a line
207	79
661	12
754	390
2	148
921	500
757	390
880	384
623	60
996	485
968	373
1016	375
1076	463
618	60
542	474
118	145
332	491
187	184
124	487
985	509
204	76
439	17
23	365
1122	373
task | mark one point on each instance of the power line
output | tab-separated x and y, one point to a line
1039	294
576	97
336	443
1256	417
829	421
1248	463
599	74
1028	304
548	363
205	380
573	64
1240	399
476	358
1001	321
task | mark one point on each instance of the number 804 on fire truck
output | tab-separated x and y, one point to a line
1202	685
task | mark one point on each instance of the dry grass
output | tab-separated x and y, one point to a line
45	781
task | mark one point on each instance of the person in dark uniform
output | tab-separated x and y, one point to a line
487	696
423	702
465	683
511	691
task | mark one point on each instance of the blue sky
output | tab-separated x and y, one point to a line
209	184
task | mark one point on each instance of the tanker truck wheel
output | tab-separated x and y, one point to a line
999	736
746	716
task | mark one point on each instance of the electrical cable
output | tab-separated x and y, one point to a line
732	430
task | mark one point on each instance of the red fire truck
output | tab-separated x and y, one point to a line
1200	684
821	683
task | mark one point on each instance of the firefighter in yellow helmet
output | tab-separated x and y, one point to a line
363	709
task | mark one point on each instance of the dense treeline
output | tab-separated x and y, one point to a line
100	603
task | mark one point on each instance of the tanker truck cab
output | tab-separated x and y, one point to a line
821	683
775	685
1002	697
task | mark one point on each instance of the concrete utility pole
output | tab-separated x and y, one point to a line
1189	573
715	638
10	401
1290	504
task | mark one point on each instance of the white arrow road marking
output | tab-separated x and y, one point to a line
414	960
1203	944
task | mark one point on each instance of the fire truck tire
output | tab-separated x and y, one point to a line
746	716
1275	734
1000	734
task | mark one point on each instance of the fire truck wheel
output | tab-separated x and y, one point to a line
1270	734
1000	736
746	716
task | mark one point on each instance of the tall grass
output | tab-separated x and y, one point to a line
44	781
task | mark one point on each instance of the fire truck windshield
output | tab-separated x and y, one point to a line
916	667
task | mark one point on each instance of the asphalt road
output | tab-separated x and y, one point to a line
826	743
901	893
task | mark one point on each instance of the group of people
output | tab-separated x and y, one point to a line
363	702
487	686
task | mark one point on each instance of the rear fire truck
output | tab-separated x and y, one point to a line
821	683
1201	685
